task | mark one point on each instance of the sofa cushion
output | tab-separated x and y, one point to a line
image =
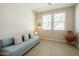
18	39
6	42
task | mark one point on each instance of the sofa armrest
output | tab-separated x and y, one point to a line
0	46
37	37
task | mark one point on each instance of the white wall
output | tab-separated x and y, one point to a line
15	19
77	22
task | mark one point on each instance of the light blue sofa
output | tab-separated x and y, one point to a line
9	49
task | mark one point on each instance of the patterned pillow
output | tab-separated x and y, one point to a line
31	35
26	37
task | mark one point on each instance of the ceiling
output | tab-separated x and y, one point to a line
39	7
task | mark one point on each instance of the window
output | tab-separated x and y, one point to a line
46	22
59	21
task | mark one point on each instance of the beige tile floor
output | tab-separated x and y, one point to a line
53	48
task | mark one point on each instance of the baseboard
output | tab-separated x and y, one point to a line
53	40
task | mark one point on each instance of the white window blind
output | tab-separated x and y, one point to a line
59	21
46	22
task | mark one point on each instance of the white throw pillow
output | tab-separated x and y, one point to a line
26	37
32	35
17	39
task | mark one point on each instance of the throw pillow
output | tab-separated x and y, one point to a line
26	37
32	35
17	39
